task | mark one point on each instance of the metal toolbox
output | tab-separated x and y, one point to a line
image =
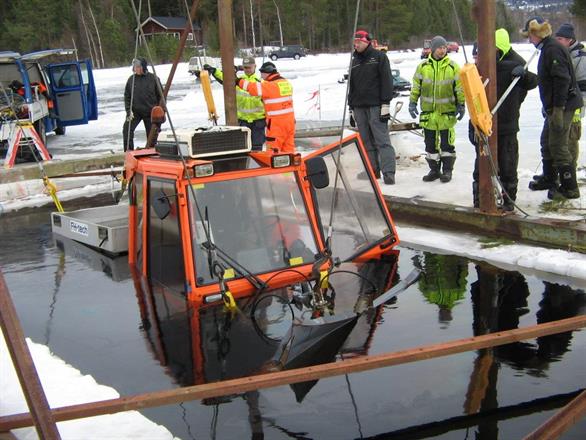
104	228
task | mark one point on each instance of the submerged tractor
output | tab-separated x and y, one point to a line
213	220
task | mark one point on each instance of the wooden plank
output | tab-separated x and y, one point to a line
25	368
562	420
242	385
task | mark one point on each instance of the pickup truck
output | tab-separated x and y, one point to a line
52	96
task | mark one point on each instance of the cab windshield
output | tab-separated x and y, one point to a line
260	222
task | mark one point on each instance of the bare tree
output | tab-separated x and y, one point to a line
252	28
97	33
90	41
279	18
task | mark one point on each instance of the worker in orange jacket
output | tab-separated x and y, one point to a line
277	97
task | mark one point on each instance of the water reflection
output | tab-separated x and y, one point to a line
207	344
443	282
501	393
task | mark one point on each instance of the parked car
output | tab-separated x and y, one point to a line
295	51
453	46
51	96
400	84
196	63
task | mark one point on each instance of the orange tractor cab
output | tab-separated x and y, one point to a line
211	220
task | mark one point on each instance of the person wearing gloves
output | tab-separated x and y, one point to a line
142	93
509	65
437	85
371	90
560	98
250	110
277	97
566	36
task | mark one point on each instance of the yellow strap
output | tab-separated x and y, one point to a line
206	86
52	190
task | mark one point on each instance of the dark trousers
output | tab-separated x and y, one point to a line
376	139
508	161
257	132
129	127
555	142
431	145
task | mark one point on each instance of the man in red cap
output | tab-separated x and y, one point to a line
371	90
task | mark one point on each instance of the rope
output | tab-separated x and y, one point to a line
494	172
342	123
133	74
460	31
50	186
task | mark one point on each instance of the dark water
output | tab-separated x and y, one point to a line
84	306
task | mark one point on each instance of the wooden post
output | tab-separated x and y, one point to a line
485	16
42	417
227	52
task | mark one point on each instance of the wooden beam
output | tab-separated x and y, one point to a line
242	385
485	16
562	420
29	380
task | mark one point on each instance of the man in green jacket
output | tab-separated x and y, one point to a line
250	109
437	84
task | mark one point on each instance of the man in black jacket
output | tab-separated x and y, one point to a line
560	97
371	90
142	93
509	66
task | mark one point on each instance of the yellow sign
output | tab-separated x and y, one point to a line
285	88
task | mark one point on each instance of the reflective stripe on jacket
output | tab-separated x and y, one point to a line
276	93
248	108
437	84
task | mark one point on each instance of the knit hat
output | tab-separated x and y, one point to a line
248	61
140	62
566	30
537	27
437	41
362	35
268	67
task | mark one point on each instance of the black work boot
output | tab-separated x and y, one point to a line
447	167
434	171
568	188
547	180
475	195
389	178
509	196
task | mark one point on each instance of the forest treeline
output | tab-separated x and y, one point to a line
105	30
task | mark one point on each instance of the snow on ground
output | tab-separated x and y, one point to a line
320	73
64	385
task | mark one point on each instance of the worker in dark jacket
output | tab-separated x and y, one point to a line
509	65
371	90
560	98
142	93
566	36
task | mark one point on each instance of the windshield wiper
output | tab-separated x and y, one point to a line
213	250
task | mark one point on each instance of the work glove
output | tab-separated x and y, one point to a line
352	120
557	118
413	110
518	71
460	111
209	68
129	116
385	113
197	73
237	81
